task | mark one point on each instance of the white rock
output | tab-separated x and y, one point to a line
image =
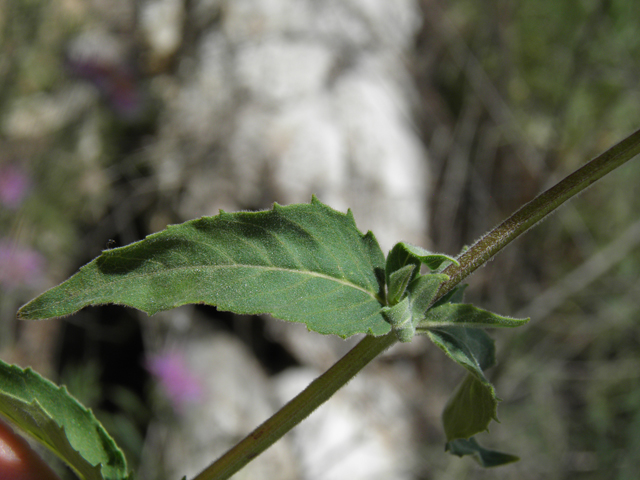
42	114
292	98
97	44
276	71
310	154
344	24
388	165
205	100
161	23
236	399
362	432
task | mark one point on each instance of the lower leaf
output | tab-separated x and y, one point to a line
470	410
471	348
58	421
485	457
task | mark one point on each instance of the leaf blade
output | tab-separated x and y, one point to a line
58	421
466	315
471	348
303	263
403	254
470	409
473	404
485	457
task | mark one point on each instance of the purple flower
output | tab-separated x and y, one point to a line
19	266
116	83
14	186
180	385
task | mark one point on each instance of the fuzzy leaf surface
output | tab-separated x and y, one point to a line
485	457
58	421
472	348
454	296
422	291
470	409
466	315
403	254
474	404
400	318
302	263
404	316
398	282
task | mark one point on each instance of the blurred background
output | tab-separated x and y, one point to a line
433	120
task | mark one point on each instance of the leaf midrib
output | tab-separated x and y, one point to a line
89	292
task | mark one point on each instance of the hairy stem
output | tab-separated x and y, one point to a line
538	208
321	389
318	392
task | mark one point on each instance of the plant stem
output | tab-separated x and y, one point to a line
321	389
318	392
538	208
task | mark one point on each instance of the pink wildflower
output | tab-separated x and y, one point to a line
19	266
176	379
14	186
115	82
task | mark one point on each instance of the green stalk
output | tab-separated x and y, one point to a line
531	213
318	392
321	389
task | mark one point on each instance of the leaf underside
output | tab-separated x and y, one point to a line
457	329
485	457
58	421
470	409
302	263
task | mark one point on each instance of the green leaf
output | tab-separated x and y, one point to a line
474	403
486	458
466	315
470	409
404	315
302	263
401	319
472	348
422	291
453	296
456	329
433	261
406	254
397	258
398	282
58	421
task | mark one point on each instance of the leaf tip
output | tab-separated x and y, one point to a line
485	457
27	312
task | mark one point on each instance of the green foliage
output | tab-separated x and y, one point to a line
470	409
398	282
405	315
403	254
454	314
486	458
301	263
453	327
400	317
410	293
58	421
